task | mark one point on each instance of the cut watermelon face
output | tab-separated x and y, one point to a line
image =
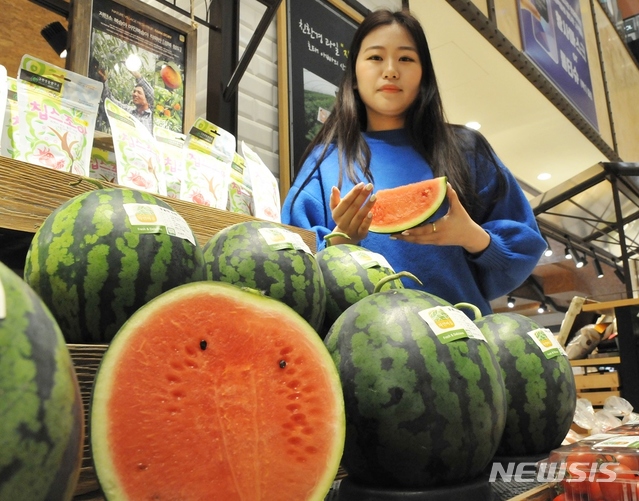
404	207
212	392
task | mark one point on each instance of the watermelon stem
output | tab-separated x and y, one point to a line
476	311
335	234
93	181
395	276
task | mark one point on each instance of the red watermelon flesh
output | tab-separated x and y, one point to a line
404	207
212	392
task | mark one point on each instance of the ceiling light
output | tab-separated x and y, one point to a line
511	302
568	253
600	272
473	125
56	35
544	176
580	261
548	251
542	308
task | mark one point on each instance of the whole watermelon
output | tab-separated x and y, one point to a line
540	391
351	273
41	413
102	254
421	410
268	257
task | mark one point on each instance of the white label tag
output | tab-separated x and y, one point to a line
281	239
147	218
547	343
627	441
368	259
450	324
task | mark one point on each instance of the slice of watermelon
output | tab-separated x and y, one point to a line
404	207
213	392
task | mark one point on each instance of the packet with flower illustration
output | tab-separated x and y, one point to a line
240	191
266	191
103	165
10	131
170	145
209	154
57	110
137	158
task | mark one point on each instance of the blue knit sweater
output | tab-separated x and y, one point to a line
446	271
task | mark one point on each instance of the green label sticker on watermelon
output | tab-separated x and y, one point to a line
368	259
626	441
547	343
282	239
146	218
450	324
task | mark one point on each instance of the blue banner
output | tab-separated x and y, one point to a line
553	38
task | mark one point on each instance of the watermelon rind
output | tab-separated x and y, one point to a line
41	411
540	392
93	268
240	255
438	208
419	413
174	358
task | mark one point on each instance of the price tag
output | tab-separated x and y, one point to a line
281	239
626	441
147	218
450	324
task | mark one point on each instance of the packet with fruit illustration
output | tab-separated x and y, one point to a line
170	145
209	154
10	131
57	110
3	95
266	191
138	162
240	192
103	165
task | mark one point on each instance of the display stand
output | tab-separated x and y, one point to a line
30	193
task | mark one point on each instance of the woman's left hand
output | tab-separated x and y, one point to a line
455	228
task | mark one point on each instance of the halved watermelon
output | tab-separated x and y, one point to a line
212	392
404	207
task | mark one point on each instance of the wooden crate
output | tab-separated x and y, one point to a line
594	385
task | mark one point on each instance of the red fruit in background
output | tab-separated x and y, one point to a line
171	77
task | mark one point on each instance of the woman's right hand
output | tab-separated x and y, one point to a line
352	214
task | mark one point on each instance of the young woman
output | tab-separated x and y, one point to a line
388	128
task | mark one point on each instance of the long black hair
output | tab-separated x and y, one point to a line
444	146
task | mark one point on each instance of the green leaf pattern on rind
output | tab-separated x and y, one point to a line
39	398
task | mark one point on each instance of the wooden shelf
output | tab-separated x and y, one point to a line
30	193
596	361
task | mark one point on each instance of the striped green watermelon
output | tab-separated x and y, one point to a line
41	413
102	254
351	273
540	388
269	257
424	408
210	392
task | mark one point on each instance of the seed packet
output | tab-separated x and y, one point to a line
10	130
103	165
4	89
209	154
240	192
170	146
137	158
57	110
266	191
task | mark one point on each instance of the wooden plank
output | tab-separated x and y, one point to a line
544	492
586	362
598	398
608	380
606	306
30	193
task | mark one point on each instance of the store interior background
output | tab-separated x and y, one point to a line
527	131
